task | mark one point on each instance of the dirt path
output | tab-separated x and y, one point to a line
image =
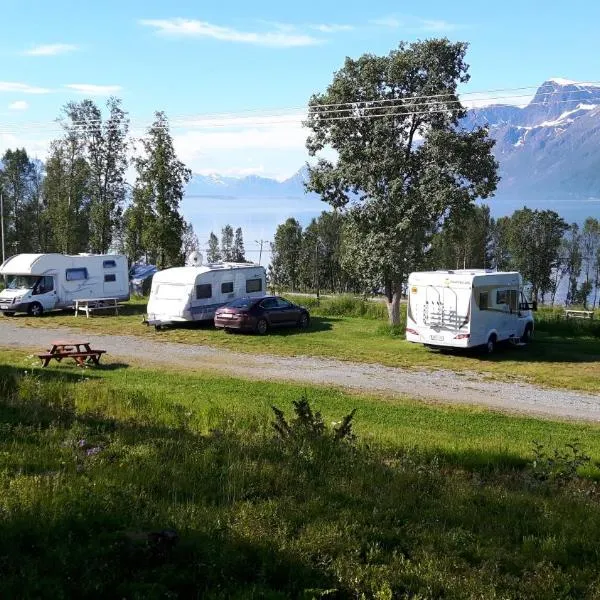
439	385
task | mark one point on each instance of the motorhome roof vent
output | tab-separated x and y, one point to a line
194	259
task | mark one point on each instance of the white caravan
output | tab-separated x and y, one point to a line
467	308
194	293
36	283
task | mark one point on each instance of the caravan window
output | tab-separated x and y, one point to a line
483	300
204	290
227	287
76	274
253	285
109	264
502	297
110	277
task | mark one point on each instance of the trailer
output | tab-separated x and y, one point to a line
38	283
193	293
468	308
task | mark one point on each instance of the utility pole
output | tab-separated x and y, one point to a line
261	242
2	224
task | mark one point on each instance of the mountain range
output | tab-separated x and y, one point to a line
548	151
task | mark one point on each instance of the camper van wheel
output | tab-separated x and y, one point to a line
527	334
158	328
261	327
35	309
9	313
490	347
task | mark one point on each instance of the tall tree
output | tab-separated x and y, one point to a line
534	240
239	254
17	175
160	183
66	188
105	143
498	245
214	254
285	253
572	260
227	243
590	246
403	163
189	240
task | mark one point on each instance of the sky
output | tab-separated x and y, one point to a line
235	77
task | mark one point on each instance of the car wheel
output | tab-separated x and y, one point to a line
527	334
35	309
304	321
261	327
490	347
9	313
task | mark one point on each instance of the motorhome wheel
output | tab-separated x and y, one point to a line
35	309
491	344
9	314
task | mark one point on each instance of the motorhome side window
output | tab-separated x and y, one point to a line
227	287
44	285
502	297
110	277
109	264
76	274
483	300
204	290
253	285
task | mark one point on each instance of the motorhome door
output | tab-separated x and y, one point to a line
44	292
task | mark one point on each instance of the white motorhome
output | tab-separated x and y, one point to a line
194	293
37	283
467	308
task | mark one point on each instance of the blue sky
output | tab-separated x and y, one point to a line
258	62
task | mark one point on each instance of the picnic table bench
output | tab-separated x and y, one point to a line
89	305
79	351
579	314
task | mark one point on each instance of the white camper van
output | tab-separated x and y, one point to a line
194	293
467	308
36	283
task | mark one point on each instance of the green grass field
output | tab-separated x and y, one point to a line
124	482
564	354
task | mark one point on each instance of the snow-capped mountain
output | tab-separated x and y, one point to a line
549	155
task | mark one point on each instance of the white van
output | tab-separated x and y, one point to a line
467	308
194	293
37	283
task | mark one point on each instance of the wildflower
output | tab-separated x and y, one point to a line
93	451
81	443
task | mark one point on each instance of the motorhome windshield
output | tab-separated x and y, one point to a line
22	282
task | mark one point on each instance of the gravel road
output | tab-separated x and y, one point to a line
439	385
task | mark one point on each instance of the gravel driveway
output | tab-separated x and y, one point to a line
439	385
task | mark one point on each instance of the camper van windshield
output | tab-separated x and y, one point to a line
22	282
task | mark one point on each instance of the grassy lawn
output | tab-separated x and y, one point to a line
563	355
133	483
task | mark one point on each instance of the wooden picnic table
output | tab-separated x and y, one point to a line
89	305
80	351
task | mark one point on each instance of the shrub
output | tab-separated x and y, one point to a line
559	465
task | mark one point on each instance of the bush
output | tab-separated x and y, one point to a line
552	320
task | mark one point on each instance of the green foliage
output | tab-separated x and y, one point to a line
227	243
397	191
214	254
286	251
558	465
238	252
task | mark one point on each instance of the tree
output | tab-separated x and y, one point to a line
238	246
189	240
590	246
65	190
285	252
464	240
498	244
105	147
403	165
227	243
214	254
534	239
17	181
160	183
572	260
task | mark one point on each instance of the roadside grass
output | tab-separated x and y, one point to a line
127	482
564	354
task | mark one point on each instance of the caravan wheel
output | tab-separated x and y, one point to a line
490	347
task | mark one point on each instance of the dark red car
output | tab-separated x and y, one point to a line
260	314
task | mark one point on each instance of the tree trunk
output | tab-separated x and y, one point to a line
393	292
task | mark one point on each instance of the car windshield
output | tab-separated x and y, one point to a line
22	282
242	303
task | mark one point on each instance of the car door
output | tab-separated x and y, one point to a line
270	311
288	313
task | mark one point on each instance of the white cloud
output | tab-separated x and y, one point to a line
22	88
91	89
332	28
415	24
18	105
36	147
280	38
50	50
